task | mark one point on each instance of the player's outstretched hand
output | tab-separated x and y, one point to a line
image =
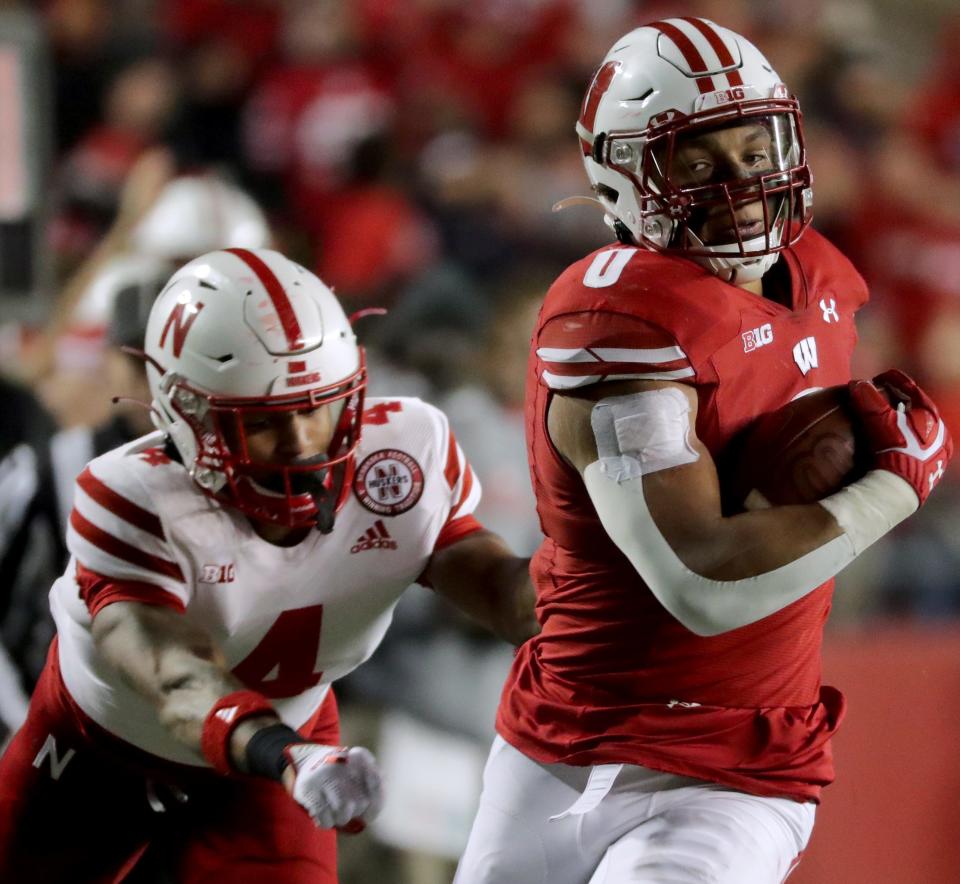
339	786
903	428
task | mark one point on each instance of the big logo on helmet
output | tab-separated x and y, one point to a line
180	325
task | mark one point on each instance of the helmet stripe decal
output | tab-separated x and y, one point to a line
281	303
689	51
718	46
588	113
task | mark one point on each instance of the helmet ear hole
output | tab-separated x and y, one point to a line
604	191
596	152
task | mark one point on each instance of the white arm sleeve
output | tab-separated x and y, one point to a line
646	432
704	606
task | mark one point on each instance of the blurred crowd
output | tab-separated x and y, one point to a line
411	152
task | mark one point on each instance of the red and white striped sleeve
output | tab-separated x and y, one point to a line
120	545
580	349
464	496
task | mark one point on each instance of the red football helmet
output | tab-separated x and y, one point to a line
237	332
659	89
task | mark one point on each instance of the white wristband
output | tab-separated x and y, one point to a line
868	508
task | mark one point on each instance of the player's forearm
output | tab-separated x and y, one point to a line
189	689
491	585
751	543
172	663
511	597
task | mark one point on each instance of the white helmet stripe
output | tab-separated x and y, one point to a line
688	49
724	53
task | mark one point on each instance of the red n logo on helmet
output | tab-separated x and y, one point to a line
601	83
180	324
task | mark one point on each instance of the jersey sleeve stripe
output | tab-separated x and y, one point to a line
119	505
611	367
610	354
571	382
456	530
98	591
625	354
118	549
465	492
559	382
452	470
566	354
677	375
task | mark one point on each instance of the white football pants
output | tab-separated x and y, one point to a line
644	826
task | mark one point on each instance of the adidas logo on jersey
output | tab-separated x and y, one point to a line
376	537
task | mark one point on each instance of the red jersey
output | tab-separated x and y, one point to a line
613	677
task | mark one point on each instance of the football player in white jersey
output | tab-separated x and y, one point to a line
225	570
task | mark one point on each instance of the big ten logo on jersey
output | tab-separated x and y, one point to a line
218	573
757	337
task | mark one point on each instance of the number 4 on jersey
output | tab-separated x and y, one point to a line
283	664
380	413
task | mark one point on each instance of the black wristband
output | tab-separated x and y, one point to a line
265	756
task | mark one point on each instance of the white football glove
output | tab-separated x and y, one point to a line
339	786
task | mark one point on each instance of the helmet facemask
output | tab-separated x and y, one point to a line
734	221
302	493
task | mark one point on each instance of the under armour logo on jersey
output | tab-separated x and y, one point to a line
376	537
829	309
805	354
936	475
757	337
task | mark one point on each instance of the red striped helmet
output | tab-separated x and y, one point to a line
240	331
658	92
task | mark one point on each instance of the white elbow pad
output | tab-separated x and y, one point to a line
624	427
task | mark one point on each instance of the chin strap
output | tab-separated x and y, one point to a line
326	513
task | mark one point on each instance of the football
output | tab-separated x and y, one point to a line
799	453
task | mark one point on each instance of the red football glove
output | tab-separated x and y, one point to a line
908	437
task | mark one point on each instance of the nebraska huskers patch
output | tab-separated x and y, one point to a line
388	482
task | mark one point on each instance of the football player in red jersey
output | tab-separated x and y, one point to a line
224	571
668	723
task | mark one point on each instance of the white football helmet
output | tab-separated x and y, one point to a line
144	273
670	81
199	213
239	331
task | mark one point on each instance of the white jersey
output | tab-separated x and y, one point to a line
289	620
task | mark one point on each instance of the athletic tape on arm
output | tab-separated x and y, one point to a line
615	485
868	508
